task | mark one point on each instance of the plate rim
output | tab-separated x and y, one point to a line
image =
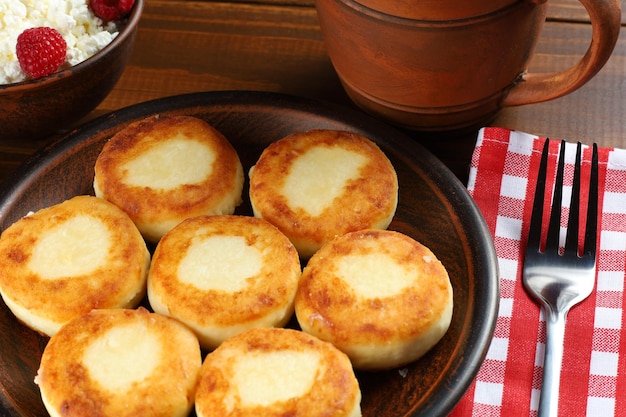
442	177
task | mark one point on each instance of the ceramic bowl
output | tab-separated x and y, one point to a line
38	108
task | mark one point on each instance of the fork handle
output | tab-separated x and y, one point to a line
555	336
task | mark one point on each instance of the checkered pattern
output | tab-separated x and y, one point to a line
502	181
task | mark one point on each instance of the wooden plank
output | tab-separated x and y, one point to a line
190	46
573	11
222	46
300	3
562	10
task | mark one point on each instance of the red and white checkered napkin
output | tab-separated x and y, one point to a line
593	380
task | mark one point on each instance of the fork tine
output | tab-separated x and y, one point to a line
554	227
534	232
571	238
592	206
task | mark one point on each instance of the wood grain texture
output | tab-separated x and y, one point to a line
572	11
592	113
276	45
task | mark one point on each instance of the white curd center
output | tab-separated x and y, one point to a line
123	356
374	275
169	164
76	247
220	263
319	176
265	378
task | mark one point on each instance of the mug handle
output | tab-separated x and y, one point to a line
605	18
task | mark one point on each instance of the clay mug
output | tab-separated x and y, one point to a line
441	65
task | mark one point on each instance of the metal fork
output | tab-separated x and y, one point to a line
558	280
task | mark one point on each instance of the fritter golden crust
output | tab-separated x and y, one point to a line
222	275
162	170
67	259
275	373
379	296
319	184
120	363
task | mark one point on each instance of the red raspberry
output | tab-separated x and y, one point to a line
40	51
109	10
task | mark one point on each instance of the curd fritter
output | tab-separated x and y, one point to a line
164	169
120	363
319	184
379	296
65	260
222	275
274	373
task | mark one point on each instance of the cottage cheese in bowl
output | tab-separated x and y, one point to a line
84	33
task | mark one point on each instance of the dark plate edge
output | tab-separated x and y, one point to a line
482	248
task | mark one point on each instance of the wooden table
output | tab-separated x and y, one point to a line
275	45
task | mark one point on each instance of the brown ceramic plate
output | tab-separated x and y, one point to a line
434	208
